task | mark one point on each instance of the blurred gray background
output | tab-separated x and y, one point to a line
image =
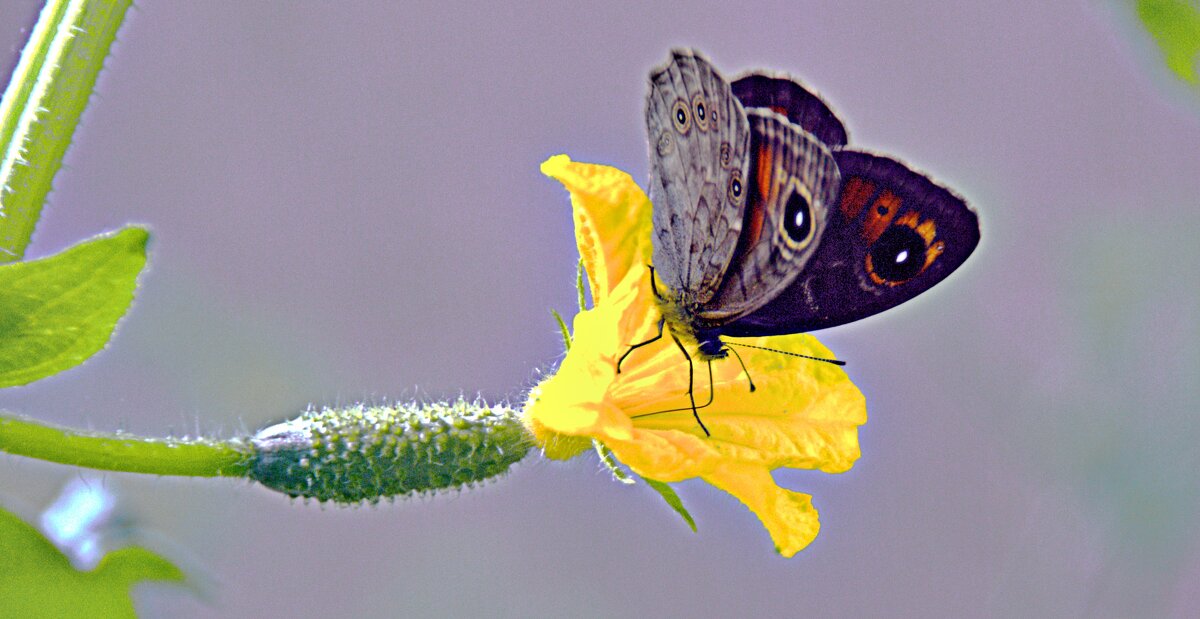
346	205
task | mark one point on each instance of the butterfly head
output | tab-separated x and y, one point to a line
710	345
680	313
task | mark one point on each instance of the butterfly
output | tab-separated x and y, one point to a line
767	223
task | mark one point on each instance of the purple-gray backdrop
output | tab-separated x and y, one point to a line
346	205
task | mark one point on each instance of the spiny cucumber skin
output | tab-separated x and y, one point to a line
367	453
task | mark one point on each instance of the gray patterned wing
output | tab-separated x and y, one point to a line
793	183
699	140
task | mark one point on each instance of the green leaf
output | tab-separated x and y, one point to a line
58	311
1175	26
37	580
41	107
673	500
562	326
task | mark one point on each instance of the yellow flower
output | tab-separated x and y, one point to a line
804	414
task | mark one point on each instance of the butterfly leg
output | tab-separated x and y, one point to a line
688	408
633	347
654	284
691	383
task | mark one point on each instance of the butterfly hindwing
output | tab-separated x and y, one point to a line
699	138
893	234
792	185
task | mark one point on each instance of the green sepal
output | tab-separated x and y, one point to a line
562	326
579	285
672	499
610	462
58	311
37	579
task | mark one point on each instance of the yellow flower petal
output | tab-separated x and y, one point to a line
803	414
789	516
611	212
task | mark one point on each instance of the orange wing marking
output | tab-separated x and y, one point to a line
879	217
855	195
759	198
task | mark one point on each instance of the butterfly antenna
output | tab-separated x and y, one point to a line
784	352
744	370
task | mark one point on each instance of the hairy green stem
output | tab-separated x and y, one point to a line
41	107
122	452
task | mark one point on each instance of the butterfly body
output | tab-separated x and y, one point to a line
806	234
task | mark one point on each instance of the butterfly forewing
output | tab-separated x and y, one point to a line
699	137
